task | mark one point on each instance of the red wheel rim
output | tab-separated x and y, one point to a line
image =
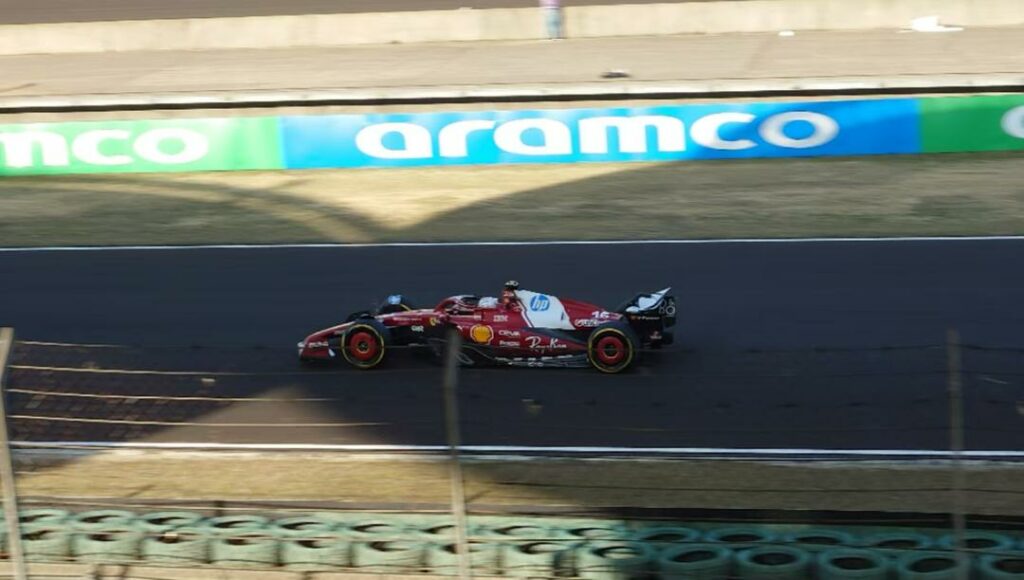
610	350
363	346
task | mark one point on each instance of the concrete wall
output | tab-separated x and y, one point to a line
270	31
498	24
775	15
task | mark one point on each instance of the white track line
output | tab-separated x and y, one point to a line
67	344
524	243
514	449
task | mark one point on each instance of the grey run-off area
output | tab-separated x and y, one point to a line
727	63
836	345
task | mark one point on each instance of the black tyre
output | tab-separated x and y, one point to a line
612	347
365	344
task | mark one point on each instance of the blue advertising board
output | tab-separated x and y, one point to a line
662	133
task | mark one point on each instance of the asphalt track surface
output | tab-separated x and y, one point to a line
834	345
43	11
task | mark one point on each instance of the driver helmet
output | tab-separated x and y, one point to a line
508	293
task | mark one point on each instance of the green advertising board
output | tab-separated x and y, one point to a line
980	123
172	145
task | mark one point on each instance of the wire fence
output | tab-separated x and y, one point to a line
770	397
74	401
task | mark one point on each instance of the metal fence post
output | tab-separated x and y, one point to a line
451	418
956	445
17	554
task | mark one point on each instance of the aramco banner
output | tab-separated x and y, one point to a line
663	133
170	145
616	134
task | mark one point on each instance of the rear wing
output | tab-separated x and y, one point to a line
650	315
660	303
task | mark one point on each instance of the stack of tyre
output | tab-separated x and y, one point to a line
758	553
598	552
515	547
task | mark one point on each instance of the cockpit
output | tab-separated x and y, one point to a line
466	304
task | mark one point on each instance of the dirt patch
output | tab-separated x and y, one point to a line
992	489
884	196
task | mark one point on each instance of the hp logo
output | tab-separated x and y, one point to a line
539	303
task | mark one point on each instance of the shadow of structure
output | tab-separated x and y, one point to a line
911	195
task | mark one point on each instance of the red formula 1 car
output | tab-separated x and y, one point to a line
519	328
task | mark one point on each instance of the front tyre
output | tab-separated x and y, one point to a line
612	347
365	344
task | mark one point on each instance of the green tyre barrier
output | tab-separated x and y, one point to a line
773	563
1006	566
696	562
978	541
819	539
590	531
514	532
544	559
740	538
156	522
43	516
186	545
379	530
112	544
930	565
438	531
45	542
608	560
527	528
244	549
226	525
321	551
662	537
337	520
102	519
895	544
419	521
481	523
301	526
853	564
484	558
390	556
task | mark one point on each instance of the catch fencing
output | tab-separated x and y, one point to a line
70	405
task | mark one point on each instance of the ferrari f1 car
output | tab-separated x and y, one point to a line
519	328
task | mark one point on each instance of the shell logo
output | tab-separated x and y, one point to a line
482	334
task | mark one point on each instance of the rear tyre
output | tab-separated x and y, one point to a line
612	347
365	344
